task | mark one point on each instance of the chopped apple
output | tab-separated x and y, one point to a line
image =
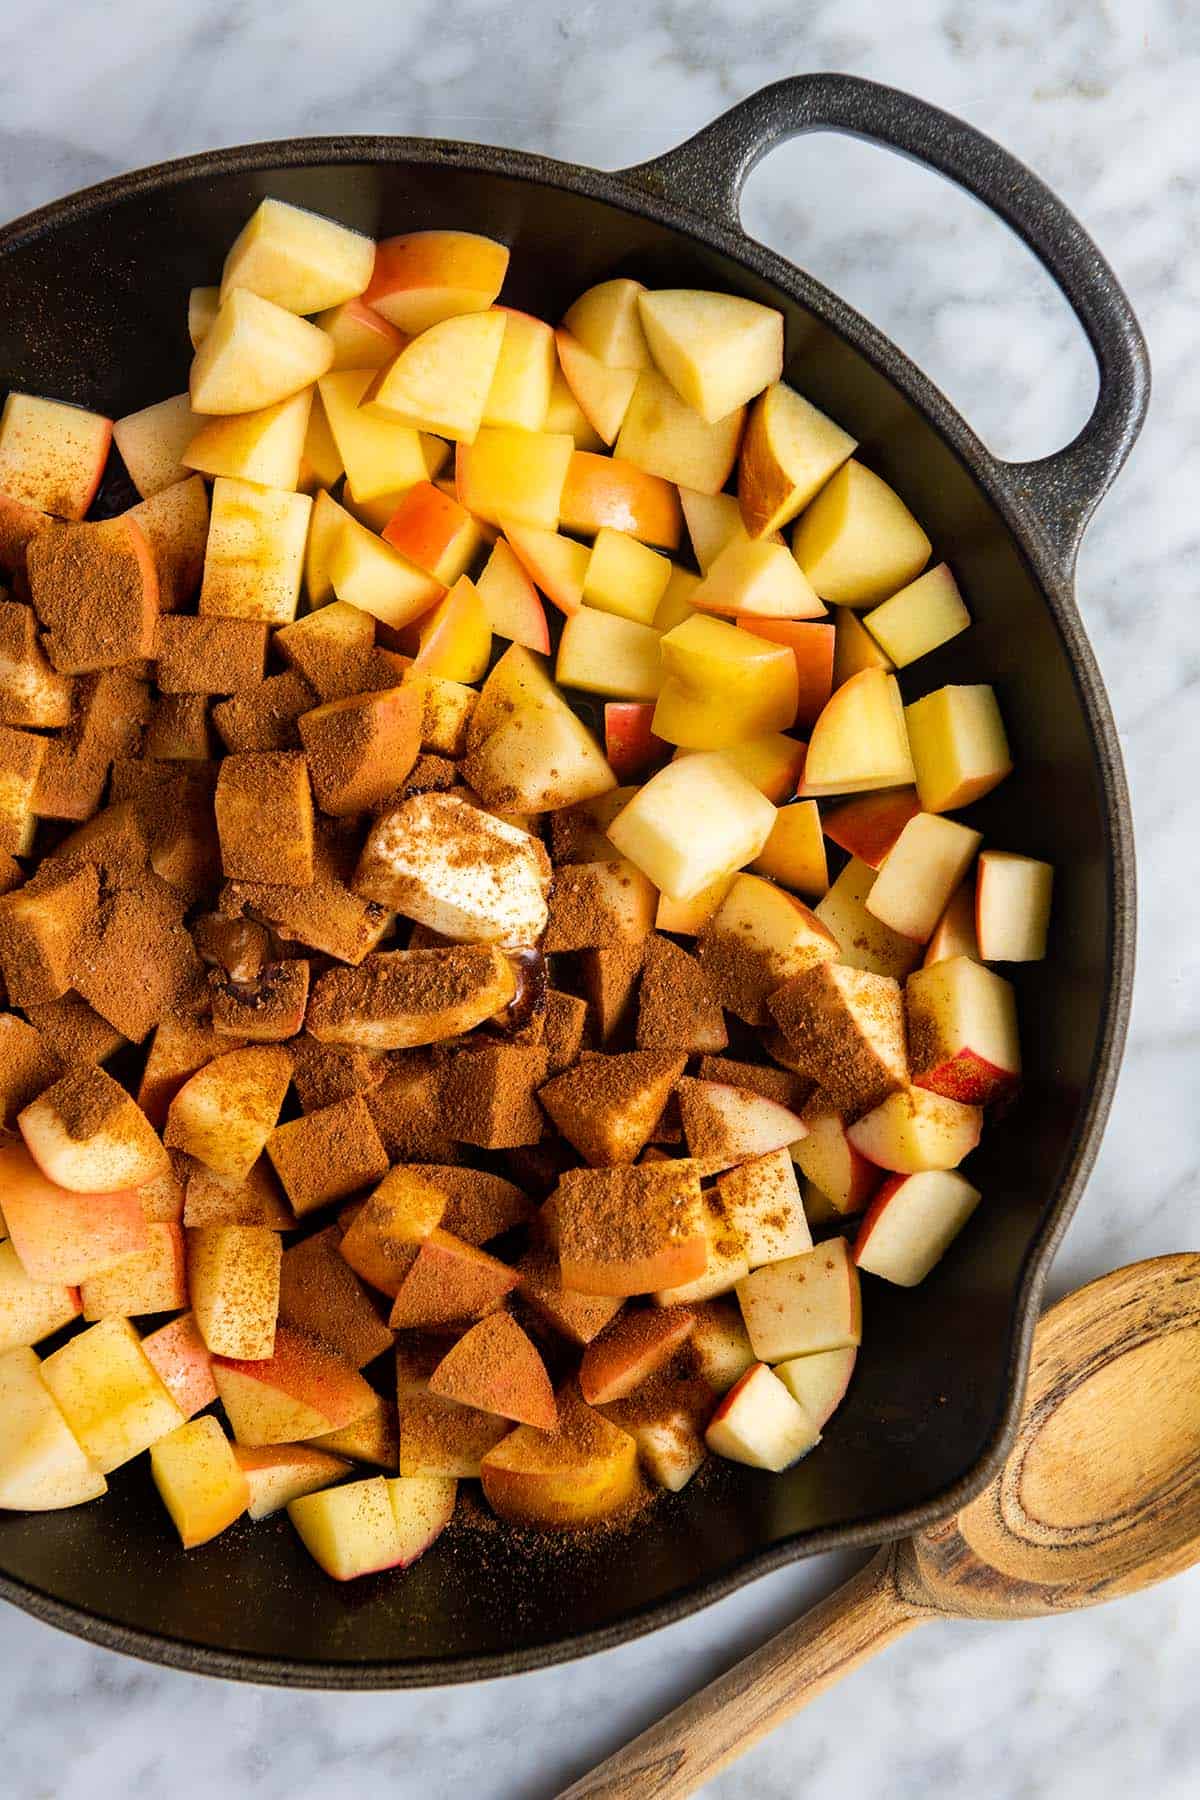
558	564
722	686
579	1473
301	1391
233	1278
449	1283
854	648
426	276
630	1230
605	490
265	447
42	1467
602	393
727	1125
254	354
371	1525
1012	906
830	1162
455	640
912	1223
868	828
174	524
519	395
400	999
625	577
609	1111
865	941
224	1114
51	455
85	1133
629	740
859	741
760	1423
511	600
152	443
433	531
959	747
717	350
415	857
664	436
921	617
607	322
726	1260
541	759
693	822
375	1438
630	1350
382	458
795	851
366	573
819	1382
564	413
30	1310
914	1130
297	259
516	475
752	579
382	1242
63	1236
254	558
181	1358
807	1304
718	1351
276	1474
759	937
601	653
201	1483
440	381
761	1200
858	543
925	865
362	338
847	1026
714	522
110	1393
496	1369
812	645
788	454
152	1280
954	933
203	303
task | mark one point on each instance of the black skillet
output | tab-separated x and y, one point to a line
91	310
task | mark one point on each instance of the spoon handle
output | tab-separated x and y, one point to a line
680	1753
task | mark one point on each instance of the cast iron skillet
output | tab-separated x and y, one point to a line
91	292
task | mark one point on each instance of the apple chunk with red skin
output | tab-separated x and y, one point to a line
582	1471
758	938
760	1423
224	1114
303	1390
279	1473
423	277
379	1523
962	1031
61	1236
804	1305
912	1223
819	1382
52	456
86	1134
868	827
913	1130
727	1124
629	1350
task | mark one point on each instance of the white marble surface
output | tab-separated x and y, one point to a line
1099	95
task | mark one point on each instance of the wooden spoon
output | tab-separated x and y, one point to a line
1100	1496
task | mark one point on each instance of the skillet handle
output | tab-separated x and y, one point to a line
707	174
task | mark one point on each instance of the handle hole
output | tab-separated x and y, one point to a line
941	275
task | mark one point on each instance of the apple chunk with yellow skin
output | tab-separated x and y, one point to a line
152	1280
858	543
303	1390
519	395
85	1133
761	1424
664	436
362	338
423	277
152	443
959	746
859	741
455	637
788	454
297	259
264	447
794	854
912	1223
925	865
819	1382
603	394
579	1473
830	1161
722	686
756	578
199	1480
42	1467
607	490
527	751
110	1393
759	937
52	456
1012	906
255	354
600	653
608	324
375	1524
233	1278
224	1114
717	350
914	1130
693	822
807	1304
279	1473
510	474
440	381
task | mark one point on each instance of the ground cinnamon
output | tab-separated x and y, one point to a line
678	1005
496	1368
95	590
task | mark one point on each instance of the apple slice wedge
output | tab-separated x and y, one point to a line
788	454
279	1473
61	1236
302	1390
923	868
1012	906
819	1382
761	1424
827	1158
758	938
255	354
582	1471
860	740
858	543
440	381
423	277
733	1124
717	350
912	1223
914	1130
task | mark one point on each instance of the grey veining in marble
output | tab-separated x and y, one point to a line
1100	96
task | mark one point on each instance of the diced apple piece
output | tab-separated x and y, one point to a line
854	648
381	457
224	1114
495	1368
608	1108
400	999
86	1134
564	413
426	276
624	576
865	941
375	1438
233	1278
717	350
759	1423
600	653
759	937
297	259
30	1310
812	645
366	573
629	740
52	455
726	1261
714	522
573	1476
603	394
152	443
607	322
254	354
174	523
276	1474
605	490
753	579
630	1350
440	381
199	1479
541	760
664	436
594	904
795	851
181	1358
959	748
727	1125
912	1223
152	1280
427	859
630	1230
362	338
819	1382
868	828
349	1531
32	692
511	600
718	1351
847	1025
61	1236
558	564
954	934
519	395
433	531
382	1242
830	1162
926	864
693	822
807	1304
860	740
920	618
789	452
1012	906
455	637
962	1031
761	1200
42	1467
422	1508
265	447
303	1390
449	1283
516	475
110	1393
203	303
858	543
722	686
914	1130
255	553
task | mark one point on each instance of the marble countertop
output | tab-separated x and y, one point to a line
1101	100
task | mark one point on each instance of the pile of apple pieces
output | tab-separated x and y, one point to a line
716	668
